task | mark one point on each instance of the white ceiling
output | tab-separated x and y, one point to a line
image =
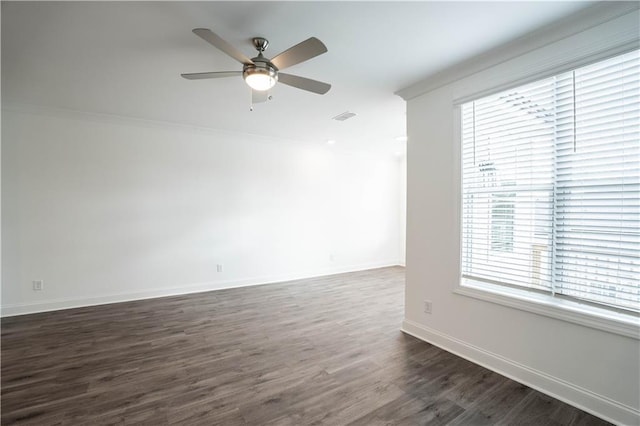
125	58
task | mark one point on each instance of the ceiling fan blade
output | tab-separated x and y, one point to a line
258	96
303	83
217	41
301	52
203	75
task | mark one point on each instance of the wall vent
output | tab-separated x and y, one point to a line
344	116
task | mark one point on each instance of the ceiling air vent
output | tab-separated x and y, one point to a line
344	116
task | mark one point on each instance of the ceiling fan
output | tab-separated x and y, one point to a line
262	73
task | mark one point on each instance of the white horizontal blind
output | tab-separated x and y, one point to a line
551	185
507	172
598	185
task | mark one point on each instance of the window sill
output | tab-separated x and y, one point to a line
587	315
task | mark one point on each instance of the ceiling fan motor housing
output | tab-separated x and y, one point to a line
260	66
260	43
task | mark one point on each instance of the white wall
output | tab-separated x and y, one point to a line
403	209
593	369
106	209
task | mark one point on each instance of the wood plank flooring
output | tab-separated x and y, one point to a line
317	351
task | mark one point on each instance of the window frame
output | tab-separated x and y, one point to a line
584	313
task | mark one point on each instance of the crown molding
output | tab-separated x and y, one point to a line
583	20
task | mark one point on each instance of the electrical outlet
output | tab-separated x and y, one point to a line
427	306
38	285
219	267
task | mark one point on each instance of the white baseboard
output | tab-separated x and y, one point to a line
59	304
598	405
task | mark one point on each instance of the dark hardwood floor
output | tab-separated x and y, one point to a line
317	351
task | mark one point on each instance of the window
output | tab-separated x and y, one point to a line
551	185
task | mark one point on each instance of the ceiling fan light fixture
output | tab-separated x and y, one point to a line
261	73
260	79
